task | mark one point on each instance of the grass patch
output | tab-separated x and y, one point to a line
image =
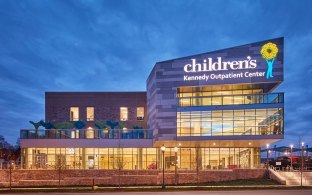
242	182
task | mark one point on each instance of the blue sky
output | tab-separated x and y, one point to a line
87	45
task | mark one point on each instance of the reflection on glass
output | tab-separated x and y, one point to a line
231	100
139	158
230	122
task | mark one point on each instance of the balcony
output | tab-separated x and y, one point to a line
86	134
246	99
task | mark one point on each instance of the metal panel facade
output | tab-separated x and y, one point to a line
243	64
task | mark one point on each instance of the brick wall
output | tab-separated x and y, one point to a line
123	177
106	106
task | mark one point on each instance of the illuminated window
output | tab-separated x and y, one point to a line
123	113
90	113
140	113
90	133
74	113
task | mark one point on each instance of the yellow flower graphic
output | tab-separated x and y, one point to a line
269	51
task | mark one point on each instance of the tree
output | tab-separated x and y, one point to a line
64	125
46	125
79	124
100	124
37	124
6	149
60	163
112	124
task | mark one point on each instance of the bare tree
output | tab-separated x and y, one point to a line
60	163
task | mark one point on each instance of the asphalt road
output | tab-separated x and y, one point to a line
240	192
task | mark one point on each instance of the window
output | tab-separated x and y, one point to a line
140	113
90	133
123	113
90	113
74	113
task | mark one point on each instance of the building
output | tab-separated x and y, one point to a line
211	111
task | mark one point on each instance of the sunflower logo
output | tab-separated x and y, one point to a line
269	52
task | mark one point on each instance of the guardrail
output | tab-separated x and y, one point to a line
86	134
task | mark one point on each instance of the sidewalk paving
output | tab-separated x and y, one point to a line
148	188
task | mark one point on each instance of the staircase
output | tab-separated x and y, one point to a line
294	178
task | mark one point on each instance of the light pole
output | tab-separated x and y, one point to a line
176	165
163	148
10	174
291	163
302	146
267	158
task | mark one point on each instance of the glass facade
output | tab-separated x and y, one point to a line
140	158
272	98
222	112
230	122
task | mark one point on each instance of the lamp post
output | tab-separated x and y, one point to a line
176	165
302	147
267	158
291	163
163	148
10	174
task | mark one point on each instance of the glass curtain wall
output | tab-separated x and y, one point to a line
140	158
230	122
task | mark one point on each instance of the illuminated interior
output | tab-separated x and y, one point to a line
74	113
139	158
123	113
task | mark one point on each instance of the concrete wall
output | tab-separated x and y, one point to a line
123	177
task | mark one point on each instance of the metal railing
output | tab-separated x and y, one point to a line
233	132
86	134
270	98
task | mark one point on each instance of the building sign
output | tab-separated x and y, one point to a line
257	62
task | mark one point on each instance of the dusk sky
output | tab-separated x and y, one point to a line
50	45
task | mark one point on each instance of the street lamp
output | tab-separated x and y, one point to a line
11	163
267	159
176	165
163	148
291	163
302	147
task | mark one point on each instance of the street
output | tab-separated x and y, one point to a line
254	192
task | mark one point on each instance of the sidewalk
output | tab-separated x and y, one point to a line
149	188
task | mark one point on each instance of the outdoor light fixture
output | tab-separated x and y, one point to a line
291	163
176	149
267	160
163	148
302	146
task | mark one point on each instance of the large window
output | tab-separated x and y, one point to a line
123	113
74	113
90	113
140	158
226	95
230	122
140	113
